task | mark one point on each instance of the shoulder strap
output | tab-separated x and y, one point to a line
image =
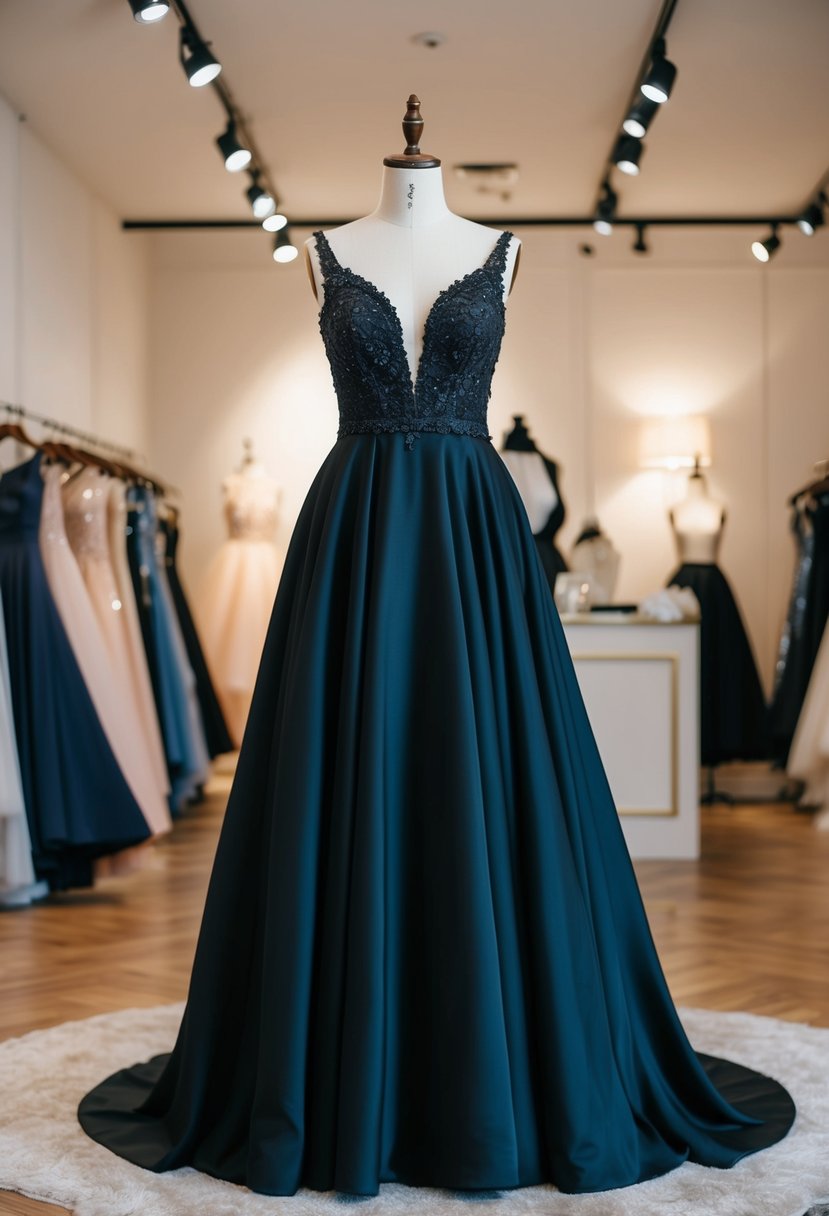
327	259
497	260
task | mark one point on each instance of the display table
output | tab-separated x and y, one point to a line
640	683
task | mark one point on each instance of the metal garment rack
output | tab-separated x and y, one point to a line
500	221
58	428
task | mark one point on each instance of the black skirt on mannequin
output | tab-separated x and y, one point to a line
732	707
551	556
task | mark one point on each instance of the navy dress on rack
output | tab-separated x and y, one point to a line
78	803
185	762
216	734
424	957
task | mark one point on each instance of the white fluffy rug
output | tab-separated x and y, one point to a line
44	1153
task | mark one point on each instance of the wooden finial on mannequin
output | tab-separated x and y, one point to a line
412	157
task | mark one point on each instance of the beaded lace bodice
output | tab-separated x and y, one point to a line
250	506
363	339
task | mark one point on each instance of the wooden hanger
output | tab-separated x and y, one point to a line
16	431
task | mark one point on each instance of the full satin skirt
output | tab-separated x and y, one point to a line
424	957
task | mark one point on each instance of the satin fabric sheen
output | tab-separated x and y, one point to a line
424	956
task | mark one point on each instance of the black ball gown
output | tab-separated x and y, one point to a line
424	957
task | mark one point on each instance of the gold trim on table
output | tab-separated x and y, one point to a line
669	657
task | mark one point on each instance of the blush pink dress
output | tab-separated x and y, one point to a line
237	593
97	630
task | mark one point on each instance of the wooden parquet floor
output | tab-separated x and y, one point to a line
745	928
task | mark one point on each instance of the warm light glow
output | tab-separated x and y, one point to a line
628	166
274	222
760	252
603	227
675	442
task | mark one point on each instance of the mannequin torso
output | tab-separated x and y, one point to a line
698	522
412	247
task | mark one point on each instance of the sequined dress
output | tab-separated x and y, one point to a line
424	958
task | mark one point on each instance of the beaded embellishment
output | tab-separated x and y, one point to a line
363	338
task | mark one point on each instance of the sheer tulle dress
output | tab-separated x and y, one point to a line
236	595
424	957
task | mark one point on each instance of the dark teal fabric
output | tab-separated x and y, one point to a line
424	956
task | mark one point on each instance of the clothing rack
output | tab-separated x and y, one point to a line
64	428
86	437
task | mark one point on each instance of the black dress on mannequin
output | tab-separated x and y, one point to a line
552	560
732	706
424	957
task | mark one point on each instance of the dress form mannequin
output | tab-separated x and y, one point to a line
239	586
412	246
732	706
697	522
594	555
536	477
424	959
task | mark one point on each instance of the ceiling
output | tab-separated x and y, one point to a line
324	85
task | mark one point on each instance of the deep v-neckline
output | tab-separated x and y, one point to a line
373	289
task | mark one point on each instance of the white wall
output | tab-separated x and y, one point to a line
592	345
73	297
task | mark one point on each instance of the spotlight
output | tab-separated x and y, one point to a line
262	203
284	250
627	154
660	79
640	245
813	217
236	156
146	12
198	62
639	118
605	211
273	223
764	250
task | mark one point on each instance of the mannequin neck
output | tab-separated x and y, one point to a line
696	487
411	198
